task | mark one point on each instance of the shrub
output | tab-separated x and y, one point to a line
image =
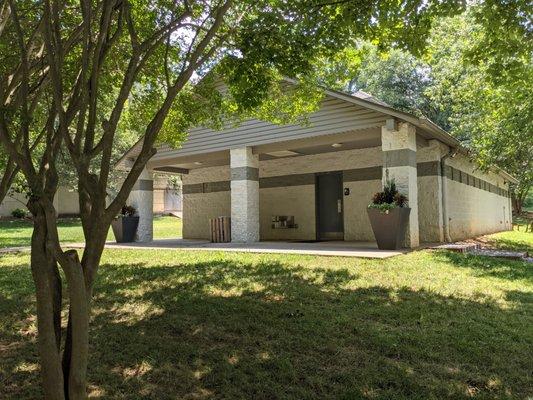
400	200
18	213
128	211
379	198
389	198
383	207
389	191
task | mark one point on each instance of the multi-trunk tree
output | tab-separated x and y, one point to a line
74	73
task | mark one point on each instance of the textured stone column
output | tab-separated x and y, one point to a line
244	195
142	198
398	143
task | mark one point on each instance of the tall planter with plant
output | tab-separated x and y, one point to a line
389	216
125	225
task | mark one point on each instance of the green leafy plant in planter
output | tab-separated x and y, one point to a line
388	199
125	225
389	216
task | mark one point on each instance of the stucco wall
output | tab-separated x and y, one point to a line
11	203
356	224
429	208
159	200
474	208
204	199
65	202
287	188
298	201
429	192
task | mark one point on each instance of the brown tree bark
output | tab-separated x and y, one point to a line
75	370
7	178
517	206
48	292
518	197
63	377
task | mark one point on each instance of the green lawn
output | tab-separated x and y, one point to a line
204	325
517	239
15	233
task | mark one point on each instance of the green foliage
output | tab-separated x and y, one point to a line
128	211
490	113
504	46
383	207
528	201
396	77
148	69
258	43
389	198
17	233
18	213
474	80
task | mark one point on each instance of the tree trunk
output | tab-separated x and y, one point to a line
6	180
74	361
62	379
517	206
77	342
518	198
48	292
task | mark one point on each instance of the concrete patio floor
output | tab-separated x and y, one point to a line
335	248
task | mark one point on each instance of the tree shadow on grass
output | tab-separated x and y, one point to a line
235	330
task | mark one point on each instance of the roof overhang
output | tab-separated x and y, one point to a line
426	126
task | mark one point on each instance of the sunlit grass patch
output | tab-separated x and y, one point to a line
517	239
17	233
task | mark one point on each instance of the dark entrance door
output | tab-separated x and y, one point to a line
329	206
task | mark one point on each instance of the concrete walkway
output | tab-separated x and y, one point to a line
9	250
338	249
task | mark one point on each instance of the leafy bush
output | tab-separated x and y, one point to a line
400	200
18	213
127	211
383	207
389	198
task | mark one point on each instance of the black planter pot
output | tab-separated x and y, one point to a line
389	228
125	228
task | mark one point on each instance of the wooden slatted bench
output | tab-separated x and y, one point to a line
220	229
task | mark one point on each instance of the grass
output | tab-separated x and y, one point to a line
15	233
517	240
204	325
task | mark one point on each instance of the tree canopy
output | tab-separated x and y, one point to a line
487	107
